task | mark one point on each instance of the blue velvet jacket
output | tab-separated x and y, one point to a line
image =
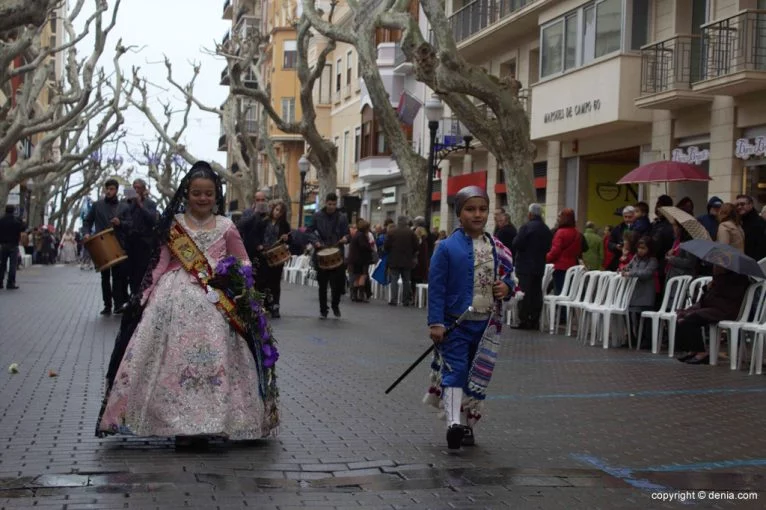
450	279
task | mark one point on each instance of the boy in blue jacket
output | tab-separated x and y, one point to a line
472	269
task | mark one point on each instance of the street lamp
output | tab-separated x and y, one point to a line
434	108
303	168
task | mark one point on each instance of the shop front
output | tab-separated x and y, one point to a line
694	151
751	149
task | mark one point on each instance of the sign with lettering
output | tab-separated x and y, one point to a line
693	155
572	111
744	148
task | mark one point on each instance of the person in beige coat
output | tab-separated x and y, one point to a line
729	230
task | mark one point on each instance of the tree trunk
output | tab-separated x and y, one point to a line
5	191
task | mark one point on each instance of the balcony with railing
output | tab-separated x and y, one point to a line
226	38
482	14
668	69
225	77
246	26
734	55
525	98
228	9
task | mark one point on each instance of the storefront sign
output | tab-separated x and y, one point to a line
389	195
744	148
572	111
693	155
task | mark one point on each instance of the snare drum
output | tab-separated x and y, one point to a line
330	258
277	255
105	249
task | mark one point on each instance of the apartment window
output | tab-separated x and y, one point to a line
608	27
592	31
639	25
338	74
349	68
288	109
357	143
290	54
323	91
53	22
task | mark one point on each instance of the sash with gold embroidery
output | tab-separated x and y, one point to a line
183	247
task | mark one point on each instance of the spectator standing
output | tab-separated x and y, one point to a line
530	247
359	260
641	224
11	228
754	227
680	262
662	234
401	246
138	223
643	267
504	229
710	220
687	205
617	236
729	231
594	256
420	271
566	248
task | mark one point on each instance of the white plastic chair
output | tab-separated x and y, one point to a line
675	294
618	305
696	288
586	290
289	264
749	303
551	301
605	294
756	360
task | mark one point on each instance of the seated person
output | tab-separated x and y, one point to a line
721	301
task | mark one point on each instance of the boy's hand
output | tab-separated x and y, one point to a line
500	289
437	334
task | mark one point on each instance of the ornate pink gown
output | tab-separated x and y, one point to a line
185	371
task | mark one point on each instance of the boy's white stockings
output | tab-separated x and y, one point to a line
453	400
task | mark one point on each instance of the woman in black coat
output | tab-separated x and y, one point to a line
359	260
268	232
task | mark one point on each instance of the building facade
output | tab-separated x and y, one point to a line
612	84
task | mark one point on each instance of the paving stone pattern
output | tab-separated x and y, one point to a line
566	426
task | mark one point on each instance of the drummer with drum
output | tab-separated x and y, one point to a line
105	216
271	235
330	230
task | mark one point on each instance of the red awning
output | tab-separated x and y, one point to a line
455	184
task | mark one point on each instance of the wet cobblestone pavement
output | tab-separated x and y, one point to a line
566	426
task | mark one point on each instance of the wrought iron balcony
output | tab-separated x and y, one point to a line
226	38
525	98
227	9
478	15
225	77
222	145
734	54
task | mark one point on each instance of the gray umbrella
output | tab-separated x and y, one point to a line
724	256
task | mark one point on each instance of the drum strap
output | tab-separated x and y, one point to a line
183	247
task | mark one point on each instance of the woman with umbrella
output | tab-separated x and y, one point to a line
722	297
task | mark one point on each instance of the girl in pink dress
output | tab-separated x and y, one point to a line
179	368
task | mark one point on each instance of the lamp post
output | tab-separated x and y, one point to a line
434	108
303	168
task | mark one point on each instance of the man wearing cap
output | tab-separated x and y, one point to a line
471	273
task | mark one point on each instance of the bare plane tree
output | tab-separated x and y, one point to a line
244	55
367	15
505	133
84	95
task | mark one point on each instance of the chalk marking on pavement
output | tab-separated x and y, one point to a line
587	360
624	474
628	394
669	468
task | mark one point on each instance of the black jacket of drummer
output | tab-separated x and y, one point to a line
329	228
101	215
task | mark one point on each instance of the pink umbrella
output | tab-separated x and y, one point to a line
665	171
